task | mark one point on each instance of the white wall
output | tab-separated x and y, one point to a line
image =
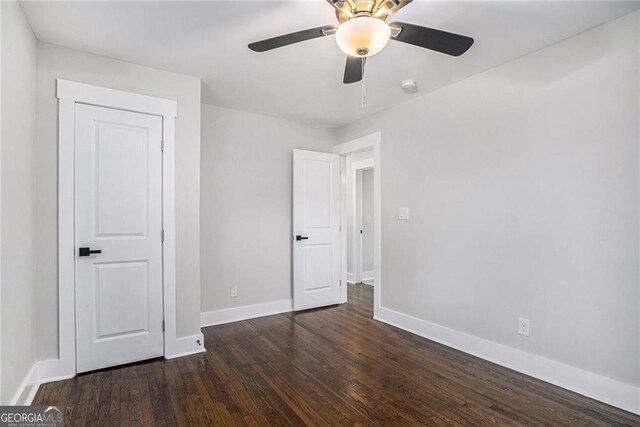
523	185
19	57
246	204
57	62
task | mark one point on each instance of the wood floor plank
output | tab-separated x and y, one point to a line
331	366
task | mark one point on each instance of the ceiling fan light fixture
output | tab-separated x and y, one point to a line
363	36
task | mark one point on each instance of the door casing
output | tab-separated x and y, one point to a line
70	93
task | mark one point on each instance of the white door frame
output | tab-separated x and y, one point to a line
356	206
68	94
372	141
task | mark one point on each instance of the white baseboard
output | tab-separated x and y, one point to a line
607	390
235	314
185	346
40	373
368	276
27	388
46	371
54	370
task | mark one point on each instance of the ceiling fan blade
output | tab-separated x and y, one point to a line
353	69
430	38
291	38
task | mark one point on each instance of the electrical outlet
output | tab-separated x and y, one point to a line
234	291
523	326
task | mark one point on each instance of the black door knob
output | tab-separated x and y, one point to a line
299	237
88	251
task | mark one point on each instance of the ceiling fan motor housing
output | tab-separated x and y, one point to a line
349	9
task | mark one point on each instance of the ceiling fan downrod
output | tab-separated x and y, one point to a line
364	88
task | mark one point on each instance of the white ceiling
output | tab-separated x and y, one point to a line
303	82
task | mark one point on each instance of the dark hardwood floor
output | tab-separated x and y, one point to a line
332	366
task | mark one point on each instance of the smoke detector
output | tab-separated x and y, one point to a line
409	86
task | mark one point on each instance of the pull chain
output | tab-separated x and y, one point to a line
364	86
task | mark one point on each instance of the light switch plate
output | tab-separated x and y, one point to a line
403	214
523	326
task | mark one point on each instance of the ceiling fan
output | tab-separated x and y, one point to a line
363	32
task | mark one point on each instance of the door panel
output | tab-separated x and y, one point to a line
121	197
317	194
316	217
318	266
118	210
115	316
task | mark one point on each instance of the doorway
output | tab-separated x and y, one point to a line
362	154
360	218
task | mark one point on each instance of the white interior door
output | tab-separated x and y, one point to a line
316	227
118	211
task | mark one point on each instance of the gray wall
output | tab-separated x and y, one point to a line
246	204
523	188
18	198
57	62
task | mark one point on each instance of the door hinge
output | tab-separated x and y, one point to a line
162	145
340	228
340	283
162	235
163	326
